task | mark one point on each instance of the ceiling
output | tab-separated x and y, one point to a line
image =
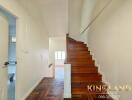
53	14
59	17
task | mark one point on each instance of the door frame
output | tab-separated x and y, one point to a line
17	32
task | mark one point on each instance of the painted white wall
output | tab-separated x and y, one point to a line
110	40
55	44
32	49
86	17
80	13
53	14
75	7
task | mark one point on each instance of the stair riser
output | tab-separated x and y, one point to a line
79	65
85	68
78	49
86	75
76	43
80	60
88	57
85	84
83	62
77	46
80	57
86	79
84	71
85	90
79	54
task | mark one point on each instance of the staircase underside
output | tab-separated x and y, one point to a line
84	73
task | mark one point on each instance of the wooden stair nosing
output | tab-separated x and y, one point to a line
83	70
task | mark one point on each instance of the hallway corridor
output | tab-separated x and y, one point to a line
65	49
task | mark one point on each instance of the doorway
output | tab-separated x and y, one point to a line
59	64
57	49
10	63
12	59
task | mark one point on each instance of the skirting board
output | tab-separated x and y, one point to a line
31	89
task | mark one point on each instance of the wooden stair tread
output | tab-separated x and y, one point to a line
79	60
83	71
82	64
86	67
86	79
80	57
84	84
79	48
86	74
79	52
86	91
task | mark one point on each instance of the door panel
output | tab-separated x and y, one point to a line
3	56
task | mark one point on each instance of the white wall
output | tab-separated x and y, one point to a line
110	39
80	13
75	7
56	44
32	49
86	17
53	14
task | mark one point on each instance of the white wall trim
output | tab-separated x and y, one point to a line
67	81
31	89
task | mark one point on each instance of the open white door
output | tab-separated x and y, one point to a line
3	56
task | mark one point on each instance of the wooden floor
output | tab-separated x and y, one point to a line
53	89
48	89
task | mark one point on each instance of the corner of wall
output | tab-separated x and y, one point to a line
31	89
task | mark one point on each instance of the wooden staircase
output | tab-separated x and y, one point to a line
83	72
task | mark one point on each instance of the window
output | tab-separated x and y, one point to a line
60	55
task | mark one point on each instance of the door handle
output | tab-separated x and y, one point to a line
15	62
6	63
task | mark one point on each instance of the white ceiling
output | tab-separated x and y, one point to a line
59	17
52	13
